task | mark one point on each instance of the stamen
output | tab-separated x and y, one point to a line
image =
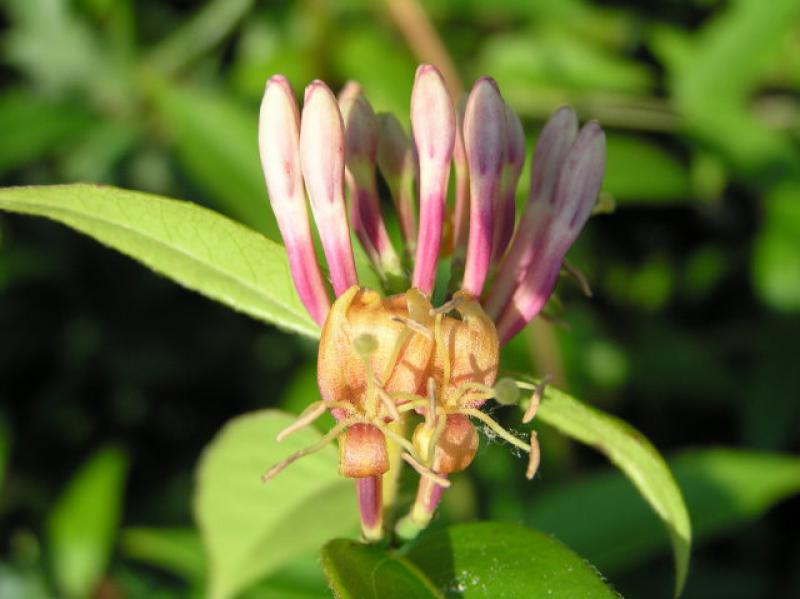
441	422
555	321
399	439
430	416
330	436
448	306
493	424
309	415
414	326
534	457
398	347
441	347
426	472
387	401
536	399
579	277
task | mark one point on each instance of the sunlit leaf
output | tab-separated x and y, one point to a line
83	524
251	529
358	571
723	488
635	456
196	247
486	560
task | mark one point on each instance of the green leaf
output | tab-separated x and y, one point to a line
176	550
211	24
724	489
195	247
635	456
639	171
723	66
776	259
217	141
34	128
249	529
492	559
358	571
83	524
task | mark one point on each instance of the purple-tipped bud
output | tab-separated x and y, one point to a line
361	147
551	149
485	143
434	123
512	167
278	142
461	210
322	160
398	166
352	89
568	208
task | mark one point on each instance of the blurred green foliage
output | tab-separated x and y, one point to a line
691	334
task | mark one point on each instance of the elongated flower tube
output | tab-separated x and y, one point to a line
278	143
485	144
361	147
322	161
397	164
554	142
568	208
384	359
512	167
433	123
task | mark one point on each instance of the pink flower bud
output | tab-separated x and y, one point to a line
398	166
361	147
566	212
551	148
433	123
322	161
278	141
485	143
512	167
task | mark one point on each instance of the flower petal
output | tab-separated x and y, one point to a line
278	142
569	207
361	147
485	143
433	122
554	142
322	161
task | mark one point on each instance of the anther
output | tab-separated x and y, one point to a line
448	306
579	277
414	326
536	398
534	457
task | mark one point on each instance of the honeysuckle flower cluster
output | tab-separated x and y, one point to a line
382	358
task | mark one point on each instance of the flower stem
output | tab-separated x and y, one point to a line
370	507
